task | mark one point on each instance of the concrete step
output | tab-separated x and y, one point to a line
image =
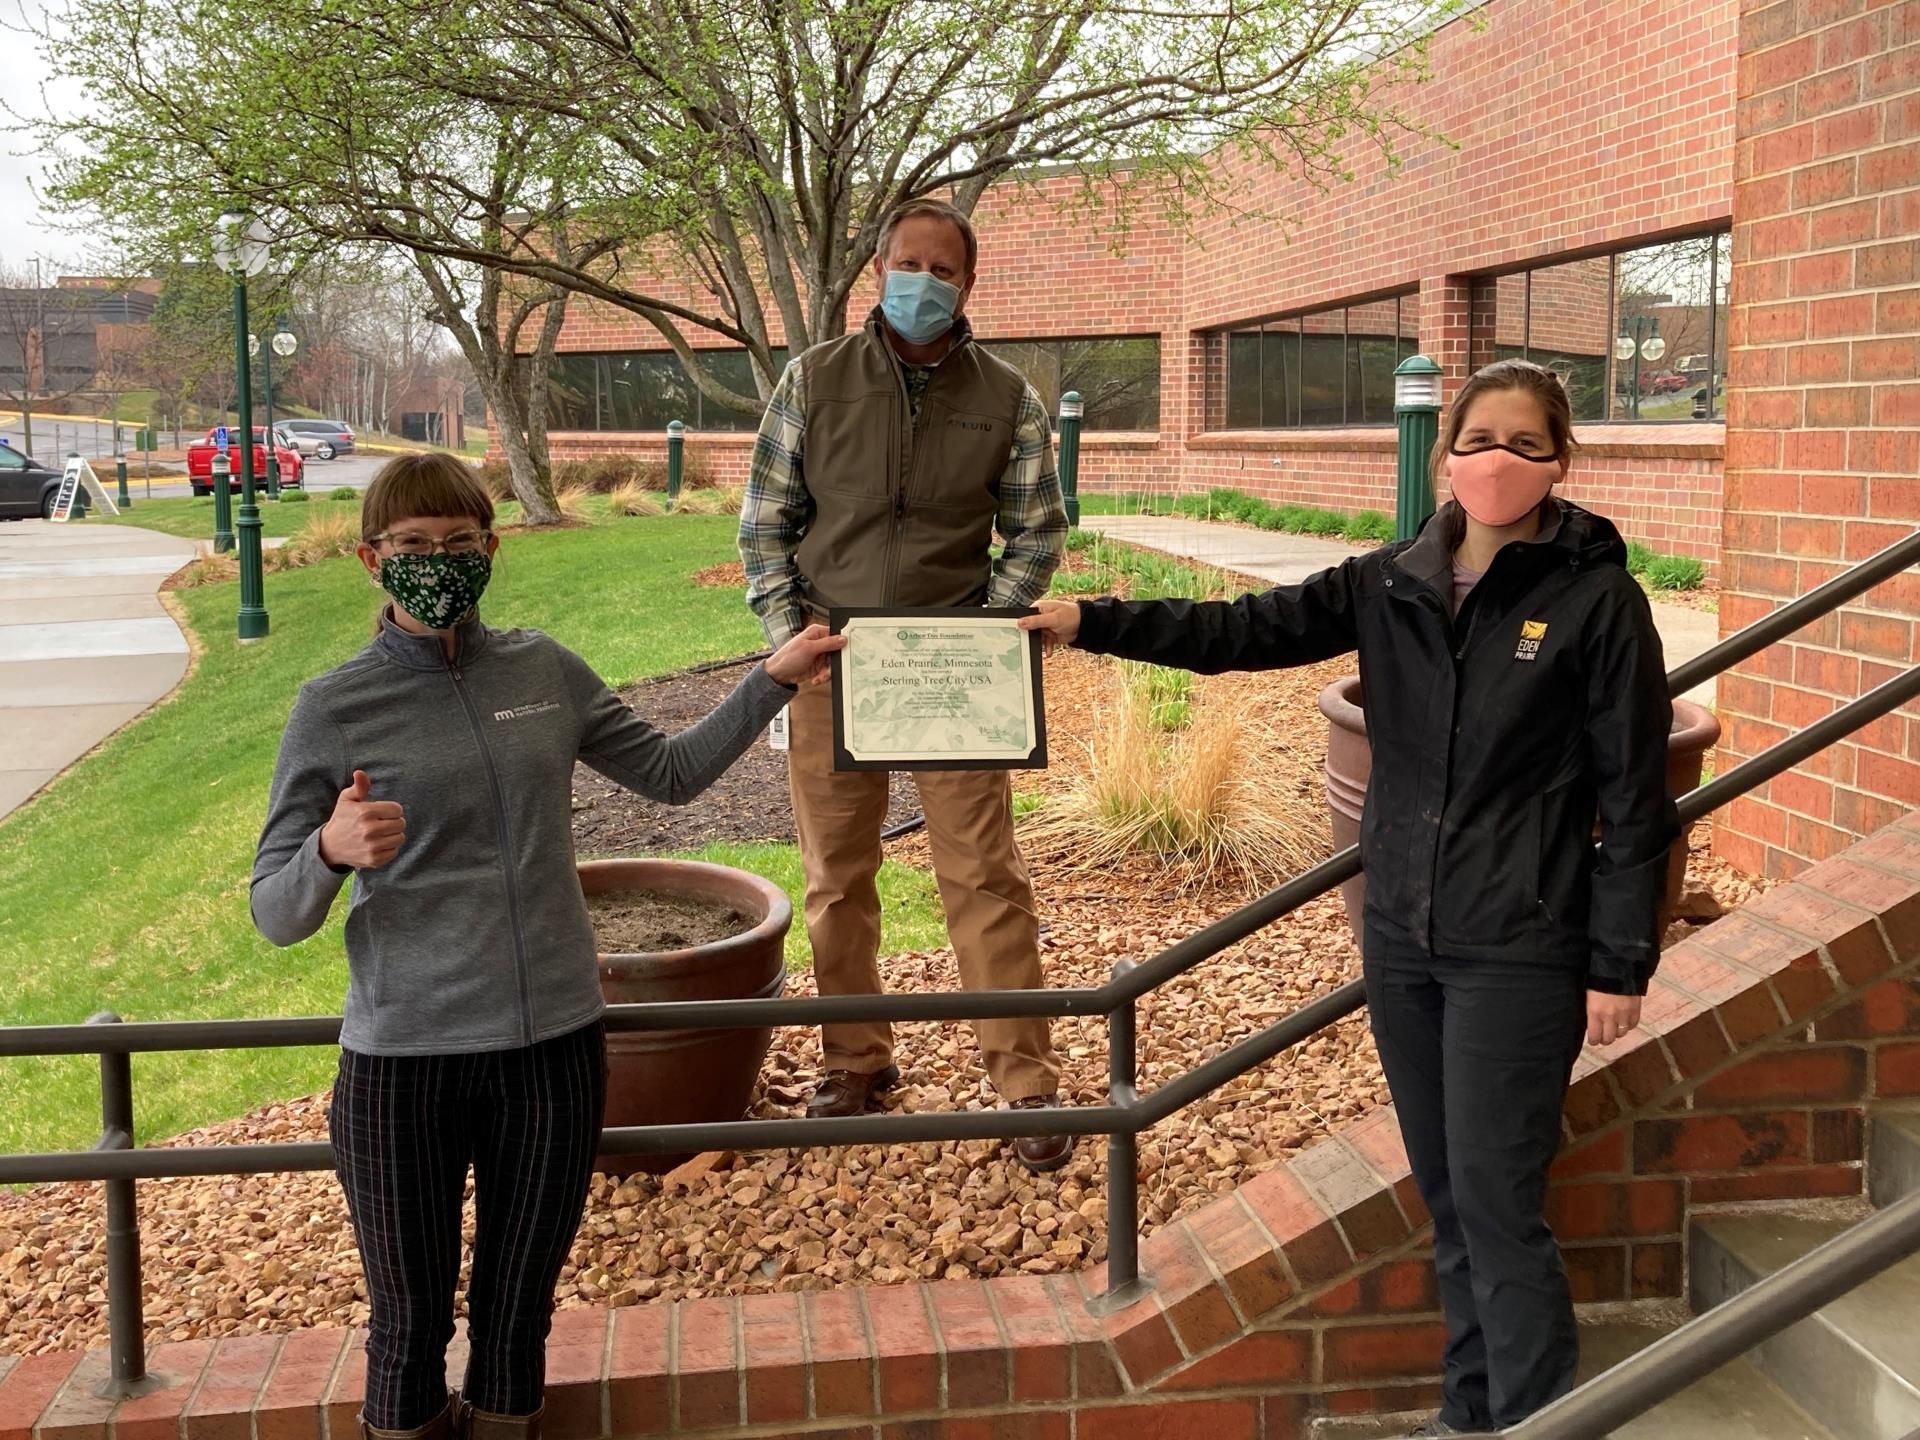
1736	1402
1854	1365
1893	1163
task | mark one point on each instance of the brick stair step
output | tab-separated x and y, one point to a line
1735	1402
1854	1364
1893	1165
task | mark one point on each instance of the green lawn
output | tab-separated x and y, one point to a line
125	886
193	518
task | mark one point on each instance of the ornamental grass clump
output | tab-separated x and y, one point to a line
327	533
630	497
1202	799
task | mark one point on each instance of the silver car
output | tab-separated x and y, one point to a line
322	438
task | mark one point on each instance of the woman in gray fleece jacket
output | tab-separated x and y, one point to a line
435	768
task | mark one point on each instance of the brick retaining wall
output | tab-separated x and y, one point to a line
1307	1291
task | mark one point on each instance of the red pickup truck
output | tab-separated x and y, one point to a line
200	463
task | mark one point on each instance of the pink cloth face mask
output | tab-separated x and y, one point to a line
1497	486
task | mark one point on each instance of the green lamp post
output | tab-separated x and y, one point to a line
240	248
283	344
1072	411
1416	409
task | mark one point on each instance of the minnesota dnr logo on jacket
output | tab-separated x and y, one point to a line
521	712
1532	632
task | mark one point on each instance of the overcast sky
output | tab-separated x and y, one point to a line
26	227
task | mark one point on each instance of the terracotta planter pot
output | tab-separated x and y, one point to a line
1350	765
669	1077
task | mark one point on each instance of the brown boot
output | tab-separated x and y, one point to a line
849	1092
441	1427
1041	1153
472	1424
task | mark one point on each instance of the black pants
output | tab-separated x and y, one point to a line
404	1130
1478	1056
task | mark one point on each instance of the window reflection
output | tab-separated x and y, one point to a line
1331	367
647	389
1118	379
1638	335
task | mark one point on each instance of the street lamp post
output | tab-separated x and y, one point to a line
1632	347
240	248
1416	409
282	344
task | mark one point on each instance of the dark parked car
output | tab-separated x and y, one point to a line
324	438
27	487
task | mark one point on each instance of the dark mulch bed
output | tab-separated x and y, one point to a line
749	802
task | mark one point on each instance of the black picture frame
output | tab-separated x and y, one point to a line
1035	759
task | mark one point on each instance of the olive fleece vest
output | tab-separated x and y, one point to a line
903	508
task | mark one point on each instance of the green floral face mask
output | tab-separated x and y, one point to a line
438	590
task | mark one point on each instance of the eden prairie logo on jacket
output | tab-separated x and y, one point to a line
521	712
1532	632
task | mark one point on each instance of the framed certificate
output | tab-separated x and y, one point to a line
937	690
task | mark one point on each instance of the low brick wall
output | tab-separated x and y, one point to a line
1308	1291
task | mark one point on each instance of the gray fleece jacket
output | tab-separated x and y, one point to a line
475	936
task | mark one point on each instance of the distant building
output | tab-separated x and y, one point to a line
56	339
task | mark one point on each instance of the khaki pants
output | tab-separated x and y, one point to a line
983	887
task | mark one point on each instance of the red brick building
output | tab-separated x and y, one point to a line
1739	179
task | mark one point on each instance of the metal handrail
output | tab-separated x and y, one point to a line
115	1160
1730	1329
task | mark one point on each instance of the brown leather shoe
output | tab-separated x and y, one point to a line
483	1425
1041	1153
849	1092
442	1427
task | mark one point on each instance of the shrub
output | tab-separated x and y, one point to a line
1368	525
1080	582
1081	540
294	497
1197	507
731	499
345	492
628	498
697	502
1324	522
1676	572
209	570
327	533
1639	557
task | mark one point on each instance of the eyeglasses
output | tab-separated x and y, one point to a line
414	542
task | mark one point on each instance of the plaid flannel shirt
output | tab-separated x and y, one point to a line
1032	519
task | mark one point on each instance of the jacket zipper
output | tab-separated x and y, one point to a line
507	868
896	532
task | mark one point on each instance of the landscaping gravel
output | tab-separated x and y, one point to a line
231	1255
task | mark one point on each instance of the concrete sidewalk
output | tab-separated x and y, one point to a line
1288	559
84	642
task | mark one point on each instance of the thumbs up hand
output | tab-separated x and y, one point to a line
364	833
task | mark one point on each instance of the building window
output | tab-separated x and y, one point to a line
645	389
1325	368
1637	335
1118	378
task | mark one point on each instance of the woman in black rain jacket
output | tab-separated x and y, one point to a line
1514	688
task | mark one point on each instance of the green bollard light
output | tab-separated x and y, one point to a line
1072	409
124	500
676	459
1416	407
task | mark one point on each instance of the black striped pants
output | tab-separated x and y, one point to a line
404	1130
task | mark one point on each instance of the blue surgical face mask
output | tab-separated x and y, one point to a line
919	306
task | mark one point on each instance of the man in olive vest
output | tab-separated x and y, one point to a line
887	460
